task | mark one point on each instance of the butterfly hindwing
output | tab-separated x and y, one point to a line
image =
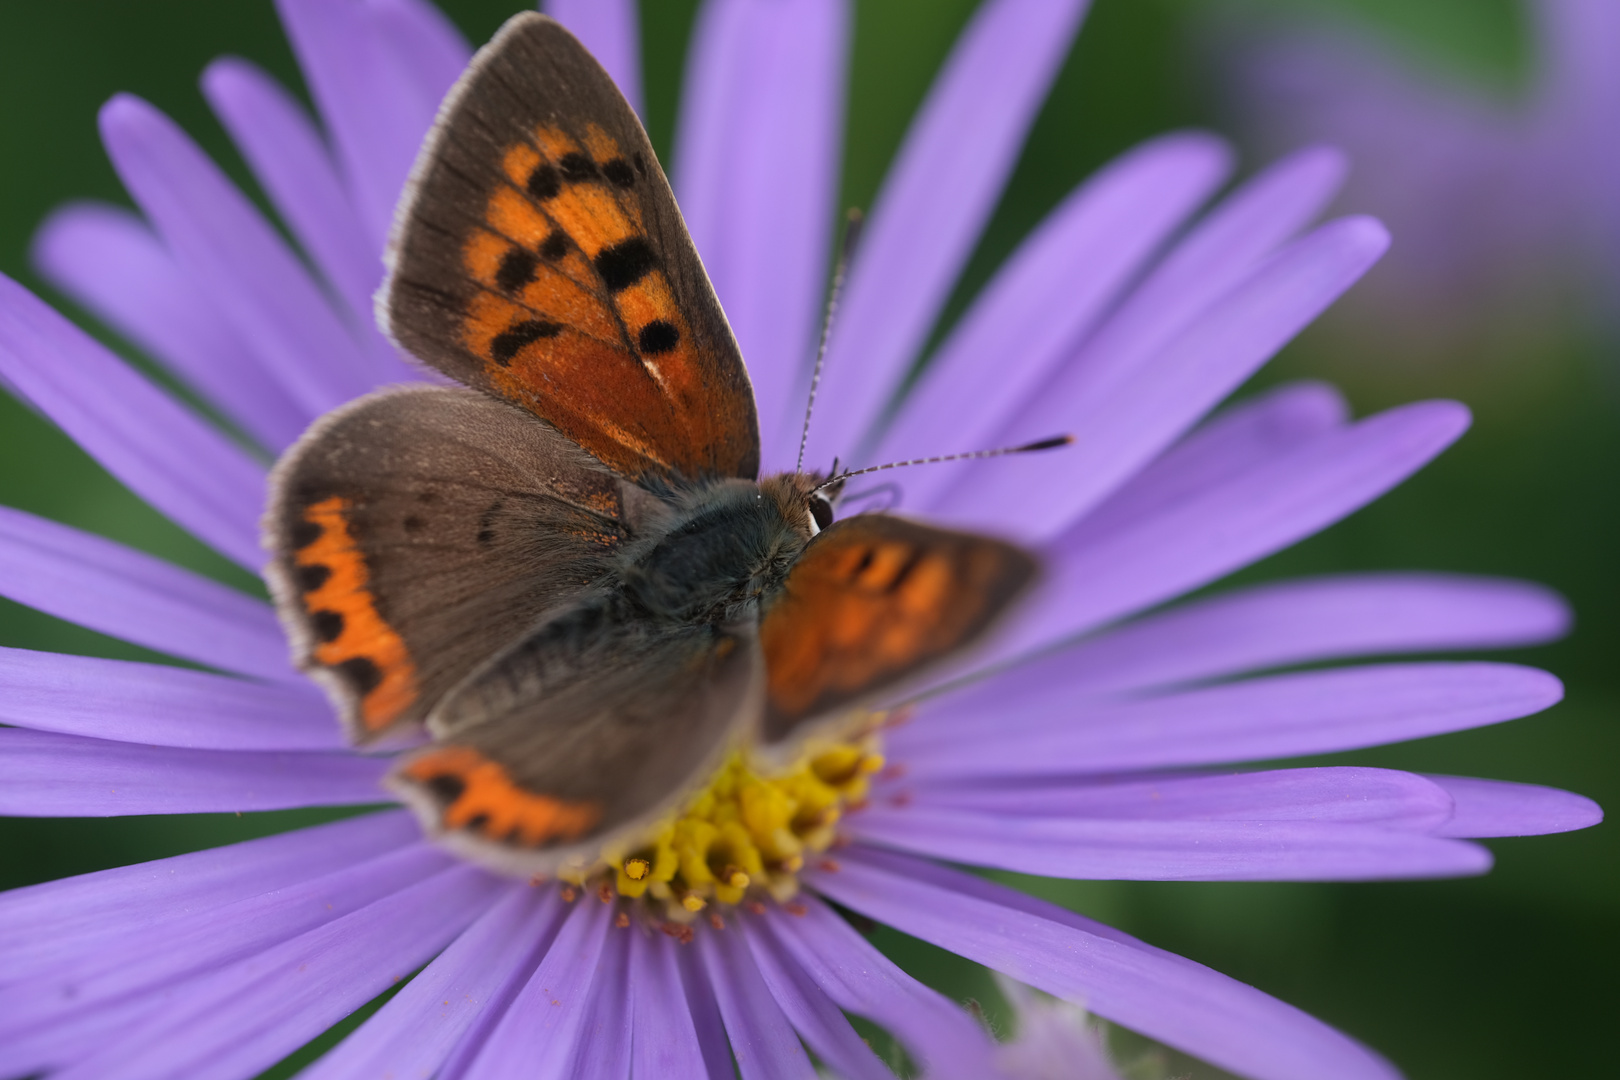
873	600
417	532
592	725
539	256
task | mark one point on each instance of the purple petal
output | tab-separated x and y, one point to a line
939	193
1189	850
160	450
604	1051
811	1012
1500	808
110	262
131	595
1123	423
1163	996
54	775
666	1042
939	1034
1314	712
541	1031
157	705
363	64
471	981
248	1016
236	257
292	163
1338	795
42	925
1047	298
705	1013
108	970
1199	539
762	1040
1296	622
757	174
610	30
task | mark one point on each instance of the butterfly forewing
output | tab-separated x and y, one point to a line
873	601
418	532
540	256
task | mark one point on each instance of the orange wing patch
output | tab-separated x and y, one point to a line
871	600
477	795
349	637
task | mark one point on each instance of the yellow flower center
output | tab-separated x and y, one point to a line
744	836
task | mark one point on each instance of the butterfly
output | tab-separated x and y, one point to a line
565	570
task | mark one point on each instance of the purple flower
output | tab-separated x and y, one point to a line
1126	318
1495	200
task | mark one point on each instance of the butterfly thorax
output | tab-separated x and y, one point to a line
724	548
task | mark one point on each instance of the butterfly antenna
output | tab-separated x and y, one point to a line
1042	444
846	249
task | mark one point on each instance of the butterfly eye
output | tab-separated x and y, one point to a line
821	512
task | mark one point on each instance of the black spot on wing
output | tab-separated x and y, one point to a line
554	247
619	173
626	263
313	576
658	337
446	787
576	167
361	673
545	182
511	341
303	533
516	270
327	625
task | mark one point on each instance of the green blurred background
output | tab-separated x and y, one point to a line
1510	975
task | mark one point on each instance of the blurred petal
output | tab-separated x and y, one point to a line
50	775
246	1017
1046	299
1156	993
236	257
128	594
377	69
1315	712
1122	425
470	981
761	1037
160	450
1208	535
940	191
705	1013
937	1033
604	1051
757	172
293	165
111	263
158	705
610	30
1500	808
666	1042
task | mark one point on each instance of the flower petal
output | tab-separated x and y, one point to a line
705	1013
1197	540
1046	299
1189	850
111	263
666	1041
604	1051
246	1017
292	164
107	971
236	257
1123	423
939	1034
1500	808
364	66
157	705
1314	712
469	983
610	29
762	1040
128	594
1293	622
1163	996
540	1033
160	450
757	173
52	775
940	191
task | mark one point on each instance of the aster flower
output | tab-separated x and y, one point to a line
1505	203
1126	318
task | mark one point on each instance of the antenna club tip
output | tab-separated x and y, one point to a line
1046	444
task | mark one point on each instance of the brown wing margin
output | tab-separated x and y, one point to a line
872	601
538	255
